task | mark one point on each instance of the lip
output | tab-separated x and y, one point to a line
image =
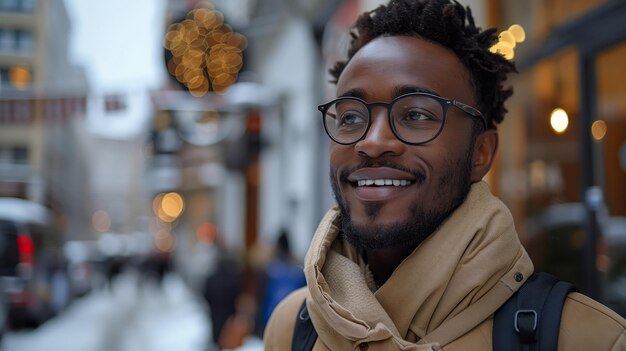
379	193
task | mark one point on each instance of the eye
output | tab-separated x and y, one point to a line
348	118
416	114
415	110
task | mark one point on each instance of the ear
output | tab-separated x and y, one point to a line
484	153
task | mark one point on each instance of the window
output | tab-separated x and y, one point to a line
7	40
25	42
14	155
16	41
18	5
4	78
28	5
19	154
5	155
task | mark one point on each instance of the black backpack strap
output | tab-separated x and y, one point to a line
551	315
531	318
304	334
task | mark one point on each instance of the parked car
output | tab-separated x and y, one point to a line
33	277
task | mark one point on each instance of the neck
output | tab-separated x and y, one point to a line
383	262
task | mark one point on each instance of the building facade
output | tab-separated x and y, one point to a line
42	108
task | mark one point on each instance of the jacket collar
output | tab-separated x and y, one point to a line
452	282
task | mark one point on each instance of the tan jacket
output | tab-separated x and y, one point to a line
441	297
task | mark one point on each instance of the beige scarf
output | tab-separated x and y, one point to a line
451	283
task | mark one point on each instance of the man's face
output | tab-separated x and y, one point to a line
432	179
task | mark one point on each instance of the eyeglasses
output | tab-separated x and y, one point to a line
415	118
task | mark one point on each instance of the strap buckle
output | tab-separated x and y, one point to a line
304	313
526	325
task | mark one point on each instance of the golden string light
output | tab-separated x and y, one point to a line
507	40
206	53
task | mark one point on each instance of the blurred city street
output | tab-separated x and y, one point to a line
175	148
132	315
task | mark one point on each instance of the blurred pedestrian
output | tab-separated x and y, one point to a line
114	266
221	289
282	275
156	266
418	254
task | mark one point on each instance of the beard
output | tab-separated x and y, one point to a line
454	185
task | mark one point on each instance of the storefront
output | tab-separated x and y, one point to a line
564	173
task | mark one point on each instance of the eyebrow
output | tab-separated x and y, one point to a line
397	91
407	89
356	92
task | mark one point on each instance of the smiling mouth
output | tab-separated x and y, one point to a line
383	182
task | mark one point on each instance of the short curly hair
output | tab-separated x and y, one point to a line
449	24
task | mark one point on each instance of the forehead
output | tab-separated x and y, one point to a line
386	66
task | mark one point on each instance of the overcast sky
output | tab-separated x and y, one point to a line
118	42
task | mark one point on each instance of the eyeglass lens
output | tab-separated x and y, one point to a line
414	118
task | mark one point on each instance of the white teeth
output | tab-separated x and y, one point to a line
383	182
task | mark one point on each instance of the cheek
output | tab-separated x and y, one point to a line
453	142
339	155
458	127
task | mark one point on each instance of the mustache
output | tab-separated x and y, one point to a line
419	175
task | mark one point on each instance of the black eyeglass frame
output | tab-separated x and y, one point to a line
445	103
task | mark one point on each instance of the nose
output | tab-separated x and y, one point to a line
380	139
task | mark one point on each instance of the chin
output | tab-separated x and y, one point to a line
390	227
376	216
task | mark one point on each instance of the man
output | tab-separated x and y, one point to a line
419	254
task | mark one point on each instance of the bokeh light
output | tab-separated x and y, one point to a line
156	203
518	33
207	54
599	129
504	50
559	120
168	206
19	77
172	204
101	221
507	41
164	241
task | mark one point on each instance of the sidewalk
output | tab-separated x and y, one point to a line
129	317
